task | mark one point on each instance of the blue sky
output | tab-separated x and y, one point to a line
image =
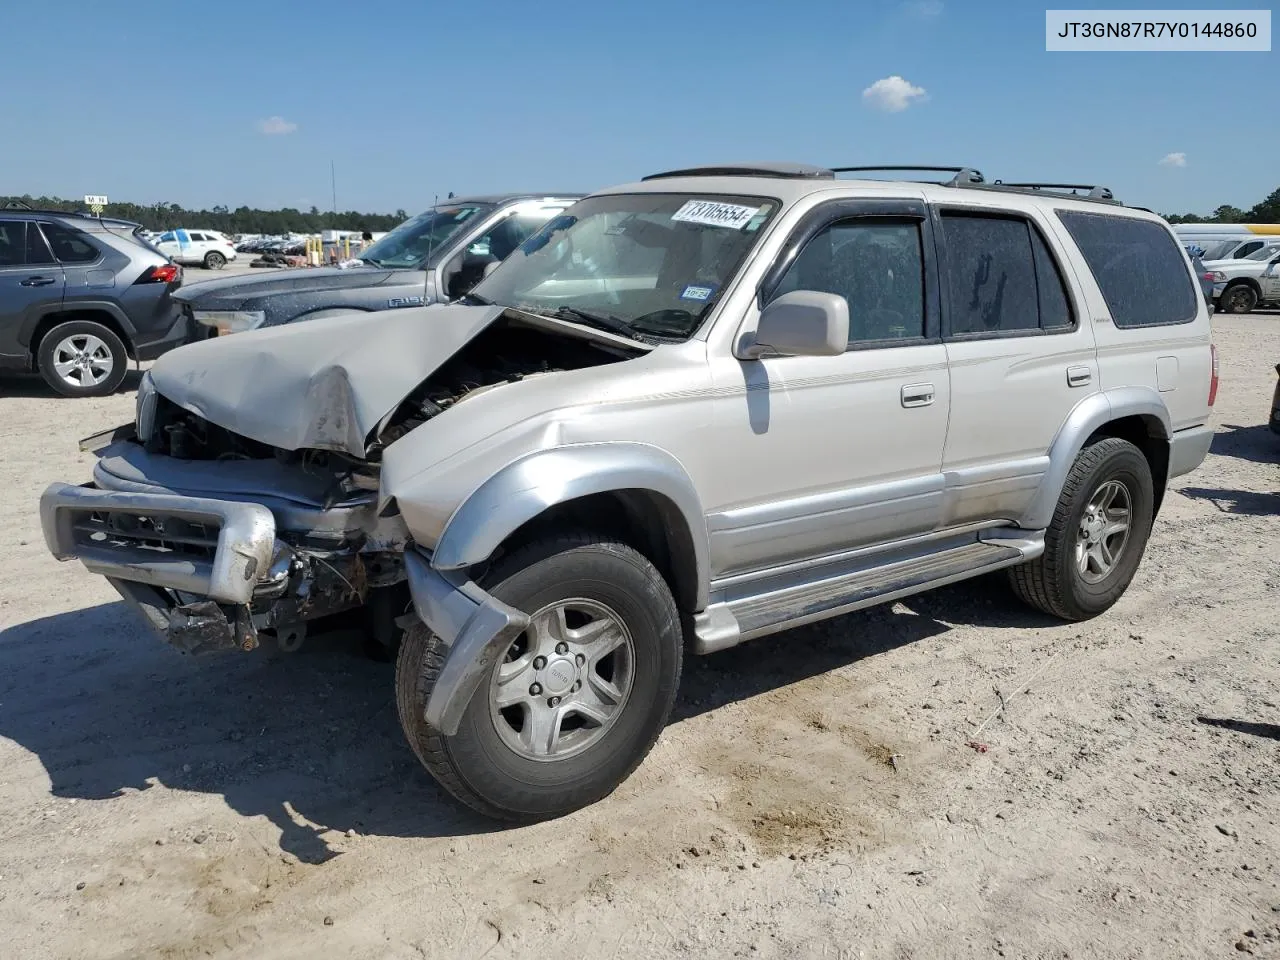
247	102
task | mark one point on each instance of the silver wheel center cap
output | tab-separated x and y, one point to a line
559	676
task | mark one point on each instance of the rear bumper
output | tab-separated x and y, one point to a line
151	345
1188	448
77	524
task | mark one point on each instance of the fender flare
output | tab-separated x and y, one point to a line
530	485
70	306
1090	414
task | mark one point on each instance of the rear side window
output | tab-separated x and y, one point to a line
69	246
12	246
1001	277
1138	266
38	251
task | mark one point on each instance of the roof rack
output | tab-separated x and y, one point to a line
962	176
799	171
1092	191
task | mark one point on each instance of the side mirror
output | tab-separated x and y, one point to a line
803	323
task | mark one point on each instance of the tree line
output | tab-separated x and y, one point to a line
167	216
1268	211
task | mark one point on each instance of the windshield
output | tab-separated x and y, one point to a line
642	265
409	244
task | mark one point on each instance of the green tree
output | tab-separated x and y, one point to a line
1228	214
1268	211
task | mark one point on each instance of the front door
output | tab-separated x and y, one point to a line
833	453
31	285
1021	352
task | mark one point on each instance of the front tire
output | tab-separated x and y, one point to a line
81	358
214	261
1240	298
1097	537
578	700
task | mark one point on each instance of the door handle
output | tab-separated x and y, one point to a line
917	394
37	281
1079	376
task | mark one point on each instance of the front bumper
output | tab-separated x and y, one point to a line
213	548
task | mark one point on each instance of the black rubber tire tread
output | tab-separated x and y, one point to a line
119	358
1045	583
211	258
421	658
1227	298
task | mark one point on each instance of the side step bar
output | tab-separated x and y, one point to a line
732	621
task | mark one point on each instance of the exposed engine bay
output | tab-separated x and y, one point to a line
508	351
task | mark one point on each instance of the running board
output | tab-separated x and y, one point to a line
730	622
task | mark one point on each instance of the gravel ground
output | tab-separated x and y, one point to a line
816	794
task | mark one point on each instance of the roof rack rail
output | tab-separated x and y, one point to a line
962	176
15	204
1092	191
798	171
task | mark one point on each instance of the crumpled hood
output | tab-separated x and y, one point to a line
324	384
230	292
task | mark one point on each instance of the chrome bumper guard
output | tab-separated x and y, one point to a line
213	548
477	627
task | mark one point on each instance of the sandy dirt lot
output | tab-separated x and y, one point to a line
814	796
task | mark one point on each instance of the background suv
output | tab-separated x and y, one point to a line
436	256
80	297
200	248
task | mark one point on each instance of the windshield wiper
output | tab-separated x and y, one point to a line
599	321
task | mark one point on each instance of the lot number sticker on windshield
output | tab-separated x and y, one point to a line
713	214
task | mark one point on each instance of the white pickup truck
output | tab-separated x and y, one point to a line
1241	285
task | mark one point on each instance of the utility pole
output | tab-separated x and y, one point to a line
333	181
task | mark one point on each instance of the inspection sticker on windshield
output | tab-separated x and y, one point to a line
713	214
692	292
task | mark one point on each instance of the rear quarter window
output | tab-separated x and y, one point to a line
1138	266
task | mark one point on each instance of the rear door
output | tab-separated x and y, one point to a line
31	285
1020	356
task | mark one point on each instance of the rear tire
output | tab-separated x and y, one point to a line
214	261
1084	569
1240	298
81	358
491	764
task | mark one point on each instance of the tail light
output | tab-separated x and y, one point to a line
1213	378
164	273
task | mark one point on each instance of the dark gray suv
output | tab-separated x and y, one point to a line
80	297
434	257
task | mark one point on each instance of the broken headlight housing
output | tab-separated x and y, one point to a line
229	321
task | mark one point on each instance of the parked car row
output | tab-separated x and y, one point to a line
672	416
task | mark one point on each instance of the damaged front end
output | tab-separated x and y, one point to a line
216	538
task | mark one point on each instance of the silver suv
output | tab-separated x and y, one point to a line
705	407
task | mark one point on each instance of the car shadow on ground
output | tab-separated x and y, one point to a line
1242	502
30	385
310	741
1257	444
1270	731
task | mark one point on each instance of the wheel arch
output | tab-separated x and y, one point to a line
113	319
636	491
1137	414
